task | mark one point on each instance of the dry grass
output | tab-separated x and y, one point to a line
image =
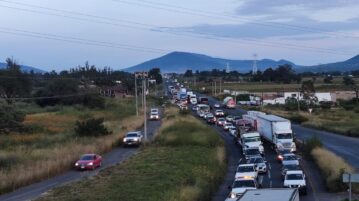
165	170
31	157
332	167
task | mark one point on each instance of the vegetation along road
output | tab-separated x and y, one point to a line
117	155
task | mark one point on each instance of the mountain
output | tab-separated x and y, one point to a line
25	68
343	66
179	62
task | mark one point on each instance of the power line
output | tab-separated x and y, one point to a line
235	18
78	41
203	35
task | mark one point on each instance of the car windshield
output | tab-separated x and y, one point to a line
230	117
252	139
245	169
243	183
219	111
256	160
289	157
291	167
284	136
229	124
252	152
132	135
221	119
86	157
294	177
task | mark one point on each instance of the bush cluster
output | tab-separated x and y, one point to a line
10	118
91	127
298	118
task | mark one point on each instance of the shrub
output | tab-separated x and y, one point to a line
309	145
94	101
298	119
91	127
326	104
10	118
184	112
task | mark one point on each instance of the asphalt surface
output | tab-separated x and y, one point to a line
346	147
116	156
272	179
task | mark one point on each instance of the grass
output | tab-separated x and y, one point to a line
26	158
332	168
337	84
337	120
185	162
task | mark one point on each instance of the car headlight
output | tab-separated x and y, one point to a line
136	139
124	139
76	164
90	163
233	195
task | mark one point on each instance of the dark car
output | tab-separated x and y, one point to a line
211	120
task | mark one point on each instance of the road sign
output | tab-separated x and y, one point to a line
354	178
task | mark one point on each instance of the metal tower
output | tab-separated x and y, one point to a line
255	68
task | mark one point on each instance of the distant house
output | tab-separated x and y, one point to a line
116	91
322	96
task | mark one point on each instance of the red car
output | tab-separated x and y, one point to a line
89	162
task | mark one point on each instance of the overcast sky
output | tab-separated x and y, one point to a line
60	34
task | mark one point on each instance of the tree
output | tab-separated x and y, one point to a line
91	127
13	82
188	73
308	92
348	81
10	118
155	73
328	79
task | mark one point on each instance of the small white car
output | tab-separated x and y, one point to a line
227	125
229	118
217	105
233	131
240	185
290	159
155	114
133	138
259	162
295	179
219	113
246	171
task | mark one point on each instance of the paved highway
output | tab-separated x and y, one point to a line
114	157
272	179
346	147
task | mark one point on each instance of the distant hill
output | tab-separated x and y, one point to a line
343	66
179	62
25	68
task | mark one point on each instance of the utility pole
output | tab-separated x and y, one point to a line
215	88
136	94
144	108
220	85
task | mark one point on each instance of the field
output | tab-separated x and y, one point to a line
337	120
29	157
320	86
185	162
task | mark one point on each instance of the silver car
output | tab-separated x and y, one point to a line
259	162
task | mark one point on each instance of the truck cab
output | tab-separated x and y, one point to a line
251	140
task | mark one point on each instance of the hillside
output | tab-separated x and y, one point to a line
181	61
343	66
25	68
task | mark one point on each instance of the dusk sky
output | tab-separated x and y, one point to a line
54	34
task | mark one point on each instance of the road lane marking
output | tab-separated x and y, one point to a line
269	166
269	175
270	184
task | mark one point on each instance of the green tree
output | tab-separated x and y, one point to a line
328	79
13	82
188	73
349	81
308	92
10	118
155	73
